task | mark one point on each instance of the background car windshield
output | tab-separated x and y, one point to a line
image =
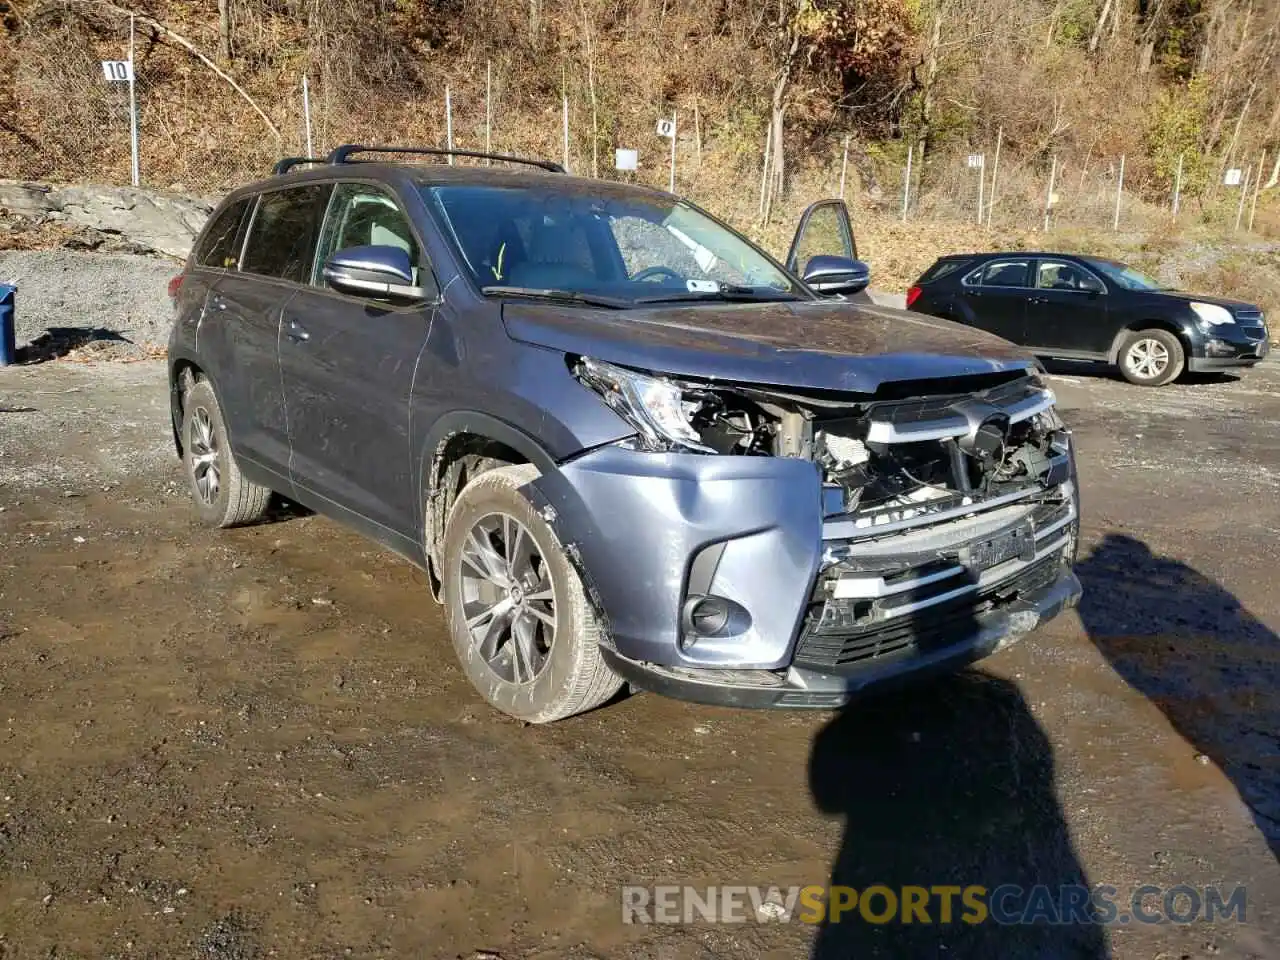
600	242
1121	275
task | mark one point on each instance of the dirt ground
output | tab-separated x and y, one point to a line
257	743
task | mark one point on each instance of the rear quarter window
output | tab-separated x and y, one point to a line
942	268
220	244
286	226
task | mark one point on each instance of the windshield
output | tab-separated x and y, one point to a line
602	245
1122	276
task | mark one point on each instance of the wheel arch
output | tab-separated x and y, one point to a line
183	373
460	445
1150	323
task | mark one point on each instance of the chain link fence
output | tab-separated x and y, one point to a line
83	124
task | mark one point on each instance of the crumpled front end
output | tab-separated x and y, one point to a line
792	549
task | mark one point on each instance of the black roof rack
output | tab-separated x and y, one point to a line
343	154
288	163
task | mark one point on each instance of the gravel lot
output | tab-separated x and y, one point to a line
67	300
256	742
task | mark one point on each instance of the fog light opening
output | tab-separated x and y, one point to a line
704	617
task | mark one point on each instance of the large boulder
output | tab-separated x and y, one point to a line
150	220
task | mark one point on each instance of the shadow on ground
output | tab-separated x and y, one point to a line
950	784
58	342
1189	645
1093	368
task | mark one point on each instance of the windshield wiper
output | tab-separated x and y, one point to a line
727	291
566	296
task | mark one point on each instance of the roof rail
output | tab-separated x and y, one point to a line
343	155
288	163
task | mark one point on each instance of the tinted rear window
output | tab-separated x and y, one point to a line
282	240
220	245
940	269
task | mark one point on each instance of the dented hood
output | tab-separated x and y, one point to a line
822	345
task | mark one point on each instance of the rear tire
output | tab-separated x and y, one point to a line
222	495
522	626
1151	358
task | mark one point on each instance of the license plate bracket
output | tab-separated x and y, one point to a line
1018	543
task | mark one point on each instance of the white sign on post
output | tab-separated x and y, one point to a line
976	160
666	128
117	71
624	159
1233	177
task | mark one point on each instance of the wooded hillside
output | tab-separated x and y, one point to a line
1067	85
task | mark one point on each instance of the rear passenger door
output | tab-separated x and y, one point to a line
243	323
348	367
994	297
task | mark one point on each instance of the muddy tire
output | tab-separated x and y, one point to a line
1151	358
222	495
522	627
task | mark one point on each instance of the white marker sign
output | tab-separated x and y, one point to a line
1233	177
117	71
976	160
666	128
624	159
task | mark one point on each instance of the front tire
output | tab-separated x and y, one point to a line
222	495
1151	358
522	627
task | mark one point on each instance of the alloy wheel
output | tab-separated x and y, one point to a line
508	598
203	443
1148	358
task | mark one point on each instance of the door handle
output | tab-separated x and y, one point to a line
296	332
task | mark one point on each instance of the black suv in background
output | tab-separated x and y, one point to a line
625	443
1087	308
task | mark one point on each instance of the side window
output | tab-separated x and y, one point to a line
1006	273
220	245
282	240
363	215
1056	275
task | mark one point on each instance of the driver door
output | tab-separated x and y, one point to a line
825	230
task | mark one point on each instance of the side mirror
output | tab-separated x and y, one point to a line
828	274
377	271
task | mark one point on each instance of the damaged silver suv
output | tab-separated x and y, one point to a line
625	443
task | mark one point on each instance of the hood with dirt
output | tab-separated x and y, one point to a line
819	345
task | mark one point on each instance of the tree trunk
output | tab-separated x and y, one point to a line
225	50
777	116
1100	26
925	139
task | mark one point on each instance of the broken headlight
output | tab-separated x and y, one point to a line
659	409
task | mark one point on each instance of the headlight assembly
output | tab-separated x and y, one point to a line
660	410
1212	315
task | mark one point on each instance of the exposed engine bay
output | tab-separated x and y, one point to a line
886	458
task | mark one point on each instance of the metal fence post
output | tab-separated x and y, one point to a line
448	121
671	188
1244	192
1177	188
488	109
1048	197
906	182
1115	223
844	165
565	124
133	110
995	169
1257	186
306	111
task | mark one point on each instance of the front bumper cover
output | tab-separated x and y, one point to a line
798	688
